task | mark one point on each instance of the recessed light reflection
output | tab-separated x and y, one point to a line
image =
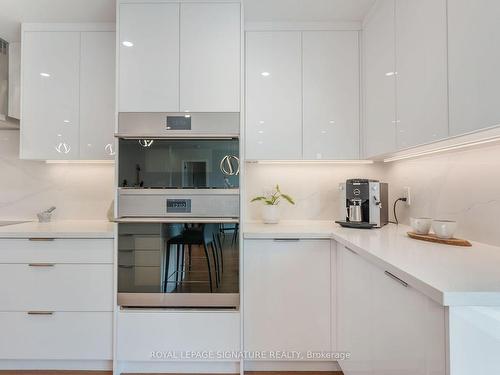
45	74
265	74
66	121
127	43
389	74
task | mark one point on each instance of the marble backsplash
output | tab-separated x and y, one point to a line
462	185
78	191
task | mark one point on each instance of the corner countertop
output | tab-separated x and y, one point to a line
59	229
450	275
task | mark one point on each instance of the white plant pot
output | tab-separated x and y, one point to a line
270	214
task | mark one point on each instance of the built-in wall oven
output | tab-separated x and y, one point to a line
178	210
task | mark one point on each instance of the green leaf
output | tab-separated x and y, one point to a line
288	198
278	188
261	198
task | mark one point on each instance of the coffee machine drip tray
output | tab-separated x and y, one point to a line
360	225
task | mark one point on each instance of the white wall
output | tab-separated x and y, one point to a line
463	186
313	186
27	187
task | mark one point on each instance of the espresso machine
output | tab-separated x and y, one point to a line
364	203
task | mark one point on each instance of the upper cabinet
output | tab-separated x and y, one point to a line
474	60
210	57
149	57
405	55
330	65
302	95
67	92
379	59
421	79
179	57
273	95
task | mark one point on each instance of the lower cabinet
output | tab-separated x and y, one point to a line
387	326
287	295
56	300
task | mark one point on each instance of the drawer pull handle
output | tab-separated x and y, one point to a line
286	239
41	239
124	266
41	264
395	278
40	312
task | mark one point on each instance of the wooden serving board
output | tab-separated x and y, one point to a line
433	238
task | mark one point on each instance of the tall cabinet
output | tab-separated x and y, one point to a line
179	57
67	108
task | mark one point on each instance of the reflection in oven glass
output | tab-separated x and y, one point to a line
178	258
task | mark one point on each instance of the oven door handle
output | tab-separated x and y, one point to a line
186	219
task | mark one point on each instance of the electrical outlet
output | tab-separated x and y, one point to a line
407	195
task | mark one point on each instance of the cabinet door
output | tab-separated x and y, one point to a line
421	64
50	121
354	313
14	80
331	94
287	295
379	81
97	95
149	57
474	58
273	96
210	57
409	329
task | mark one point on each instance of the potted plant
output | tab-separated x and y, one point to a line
270	209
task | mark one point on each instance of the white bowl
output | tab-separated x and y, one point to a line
444	228
421	225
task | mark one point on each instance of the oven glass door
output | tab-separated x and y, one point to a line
179	163
178	265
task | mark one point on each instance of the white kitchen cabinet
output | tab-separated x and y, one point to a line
387	326
379	64
148	57
474	58
14	109
67	92
330	66
273	96
50	95
421	64
97	95
287	295
210	57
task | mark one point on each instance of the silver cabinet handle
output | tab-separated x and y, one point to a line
395	278
41	265
124	266
40	312
286	239
41	239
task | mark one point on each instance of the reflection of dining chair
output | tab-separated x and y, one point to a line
235	229
193	236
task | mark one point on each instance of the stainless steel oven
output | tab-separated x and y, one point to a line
178	209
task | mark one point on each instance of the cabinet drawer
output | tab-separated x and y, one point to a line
60	287
58	250
56	336
140	333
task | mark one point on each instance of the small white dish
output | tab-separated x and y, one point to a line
421	225
444	228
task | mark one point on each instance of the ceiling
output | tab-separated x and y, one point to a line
13	12
306	10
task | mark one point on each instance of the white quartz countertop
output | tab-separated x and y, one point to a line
450	275
59	229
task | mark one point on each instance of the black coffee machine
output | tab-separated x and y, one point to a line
365	203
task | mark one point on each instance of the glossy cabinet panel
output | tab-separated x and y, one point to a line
474	58
387	326
330	66
421	64
273	96
209	57
50	114
287	295
148	57
97	95
379	80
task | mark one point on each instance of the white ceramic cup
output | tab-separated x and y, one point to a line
444	228
421	225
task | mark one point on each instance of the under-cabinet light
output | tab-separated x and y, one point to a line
311	161
79	161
